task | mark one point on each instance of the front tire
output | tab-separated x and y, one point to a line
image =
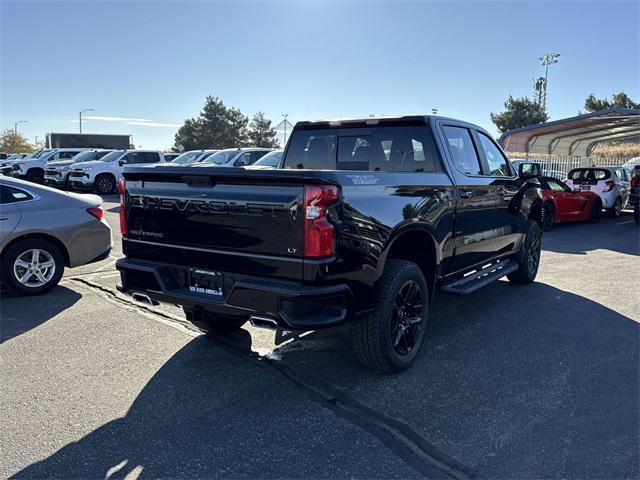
35	176
32	266
529	258
389	338
105	184
616	210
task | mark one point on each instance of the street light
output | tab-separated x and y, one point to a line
85	110
15	125
285	115
546	60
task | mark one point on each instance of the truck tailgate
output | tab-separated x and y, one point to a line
223	211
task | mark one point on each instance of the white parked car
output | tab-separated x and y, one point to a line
235	157
32	168
103	175
610	183
192	156
57	173
269	161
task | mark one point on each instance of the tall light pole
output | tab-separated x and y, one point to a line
546	60
15	125
285	115
85	110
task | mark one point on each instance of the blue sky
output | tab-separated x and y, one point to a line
156	61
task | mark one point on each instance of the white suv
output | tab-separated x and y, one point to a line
103	175
610	183
234	157
32	168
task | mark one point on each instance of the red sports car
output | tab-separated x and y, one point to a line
561	204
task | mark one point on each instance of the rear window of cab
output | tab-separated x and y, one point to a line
589	174
376	149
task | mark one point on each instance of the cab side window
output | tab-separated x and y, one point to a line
463	152
132	157
498	164
150	157
244	159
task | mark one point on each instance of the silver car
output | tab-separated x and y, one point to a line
43	230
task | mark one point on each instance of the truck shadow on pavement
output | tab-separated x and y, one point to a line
527	382
616	234
13	319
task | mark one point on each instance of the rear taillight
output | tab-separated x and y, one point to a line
123	215
609	184
318	231
96	212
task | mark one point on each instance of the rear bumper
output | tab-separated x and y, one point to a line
292	305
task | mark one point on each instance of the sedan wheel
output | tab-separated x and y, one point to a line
32	266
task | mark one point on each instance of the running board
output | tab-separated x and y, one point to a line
480	278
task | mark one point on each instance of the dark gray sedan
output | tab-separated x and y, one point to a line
43	230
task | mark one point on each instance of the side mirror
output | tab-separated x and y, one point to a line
529	170
120	163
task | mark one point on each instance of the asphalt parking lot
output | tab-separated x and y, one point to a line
539	381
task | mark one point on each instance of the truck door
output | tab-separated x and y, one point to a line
477	204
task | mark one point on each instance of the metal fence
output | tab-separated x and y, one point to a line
559	167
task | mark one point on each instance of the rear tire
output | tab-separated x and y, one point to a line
529	257
616	210
596	211
32	274
548	216
105	184
389	338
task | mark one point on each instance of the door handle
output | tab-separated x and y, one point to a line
465	193
4	218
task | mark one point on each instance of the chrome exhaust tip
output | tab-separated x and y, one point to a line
143	298
263	322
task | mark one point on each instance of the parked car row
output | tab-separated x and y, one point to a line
99	170
583	193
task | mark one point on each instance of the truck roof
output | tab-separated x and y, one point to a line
369	121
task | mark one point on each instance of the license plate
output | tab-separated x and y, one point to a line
206	281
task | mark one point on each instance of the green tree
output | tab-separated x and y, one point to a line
217	126
261	133
12	142
618	100
519	112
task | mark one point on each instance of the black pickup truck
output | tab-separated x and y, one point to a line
363	222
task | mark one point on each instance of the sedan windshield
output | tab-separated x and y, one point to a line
188	157
221	158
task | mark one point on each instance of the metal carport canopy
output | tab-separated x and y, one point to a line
574	136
